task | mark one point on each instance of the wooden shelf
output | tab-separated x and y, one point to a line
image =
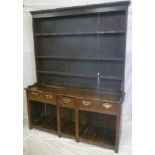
68	127
80	75
97	134
47	122
81	58
79	33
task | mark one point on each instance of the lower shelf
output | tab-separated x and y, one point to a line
68	128
89	134
98	135
93	127
47	122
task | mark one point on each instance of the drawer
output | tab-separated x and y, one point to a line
108	107
97	106
49	98
35	95
66	101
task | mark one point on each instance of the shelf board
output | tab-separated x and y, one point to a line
79	33
46	122
80	75
98	134
67	127
80	58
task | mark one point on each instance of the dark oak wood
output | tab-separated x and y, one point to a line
118	128
79	33
77	122
58	120
62	115
80	66
76	93
80	58
80	75
105	7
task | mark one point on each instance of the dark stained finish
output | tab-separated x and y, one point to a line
80	63
78	10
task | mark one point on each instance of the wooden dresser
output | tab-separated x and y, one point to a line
80	65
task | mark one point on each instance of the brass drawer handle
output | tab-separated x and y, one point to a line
66	100
86	103
107	105
49	97
34	93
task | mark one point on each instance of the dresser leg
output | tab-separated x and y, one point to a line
77	124
116	149
29	113
58	120
117	135
30	126
118	128
59	134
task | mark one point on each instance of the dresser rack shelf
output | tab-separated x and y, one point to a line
80	75
81	58
80	33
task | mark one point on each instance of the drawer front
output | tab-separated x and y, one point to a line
108	107
97	106
35	95
85	104
66	101
49	98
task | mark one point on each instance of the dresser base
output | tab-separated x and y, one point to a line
76	114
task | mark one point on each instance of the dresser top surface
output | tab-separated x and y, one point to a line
78	93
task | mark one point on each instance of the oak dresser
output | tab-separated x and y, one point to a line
80	65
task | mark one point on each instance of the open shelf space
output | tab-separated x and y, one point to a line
67	119
81	58
103	85
79	33
80	75
81	68
68	127
98	135
43	115
93	46
93	22
46	122
98	128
